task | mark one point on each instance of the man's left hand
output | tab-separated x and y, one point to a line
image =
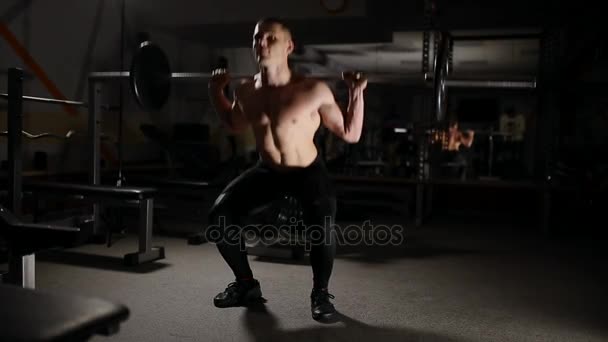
355	80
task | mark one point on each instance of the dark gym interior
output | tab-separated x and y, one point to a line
467	210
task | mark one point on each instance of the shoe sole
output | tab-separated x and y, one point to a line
322	317
252	296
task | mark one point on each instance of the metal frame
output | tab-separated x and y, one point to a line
94	143
146	213
21	269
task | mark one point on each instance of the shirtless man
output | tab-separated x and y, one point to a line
454	154
456	138
284	110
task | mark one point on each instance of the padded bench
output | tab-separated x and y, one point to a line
39	316
132	196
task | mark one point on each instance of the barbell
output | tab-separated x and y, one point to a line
29	135
150	79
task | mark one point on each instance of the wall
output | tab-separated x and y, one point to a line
195	12
69	39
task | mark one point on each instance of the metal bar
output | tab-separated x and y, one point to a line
94	152
21	269
411	78
109	75
41	135
508	36
371	77
146	224
28	263
491	84
202	76
15	124
47	100
382	78
196	76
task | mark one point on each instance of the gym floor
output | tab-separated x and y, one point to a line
451	280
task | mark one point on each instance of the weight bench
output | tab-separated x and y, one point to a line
177	185
29	315
197	190
143	198
38	316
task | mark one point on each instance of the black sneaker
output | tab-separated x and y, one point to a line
238	294
320	305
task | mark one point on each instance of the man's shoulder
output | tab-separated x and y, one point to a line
245	86
306	79
315	84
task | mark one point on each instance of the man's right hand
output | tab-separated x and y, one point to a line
219	79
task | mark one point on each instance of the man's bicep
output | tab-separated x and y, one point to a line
331	116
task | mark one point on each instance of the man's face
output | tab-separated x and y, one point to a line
271	44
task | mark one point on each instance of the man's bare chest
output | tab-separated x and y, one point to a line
278	108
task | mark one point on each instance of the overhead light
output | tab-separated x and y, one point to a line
400	130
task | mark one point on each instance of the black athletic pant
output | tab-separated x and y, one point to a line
260	186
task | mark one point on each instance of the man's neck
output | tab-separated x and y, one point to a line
275	76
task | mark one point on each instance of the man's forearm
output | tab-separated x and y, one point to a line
353	122
222	106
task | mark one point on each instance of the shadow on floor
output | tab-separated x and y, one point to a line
385	254
263	326
104	262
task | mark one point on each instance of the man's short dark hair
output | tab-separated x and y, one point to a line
274	20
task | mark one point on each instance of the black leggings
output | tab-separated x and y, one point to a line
259	187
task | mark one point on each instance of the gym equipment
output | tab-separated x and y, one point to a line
149	81
150	77
41	316
26	239
155	78
29	135
441	73
395	78
45	100
143	198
